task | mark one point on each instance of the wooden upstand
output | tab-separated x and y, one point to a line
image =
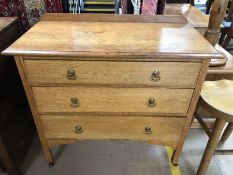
112	77
194	16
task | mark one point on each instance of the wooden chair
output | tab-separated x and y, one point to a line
217	14
217	99
227	29
229	36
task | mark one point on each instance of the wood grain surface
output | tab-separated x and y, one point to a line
54	73
193	15
165	130
28	90
191	110
114	18
76	38
113	100
113	62
225	70
6	22
219	95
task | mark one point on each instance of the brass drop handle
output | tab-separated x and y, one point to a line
155	76
151	102
78	129
148	130
74	102
71	75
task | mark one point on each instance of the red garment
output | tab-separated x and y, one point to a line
28	14
149	7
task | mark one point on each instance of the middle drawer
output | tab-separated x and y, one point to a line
139	101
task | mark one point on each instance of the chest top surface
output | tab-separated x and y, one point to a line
79	38
194	16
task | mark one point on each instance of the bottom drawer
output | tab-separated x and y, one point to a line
159	130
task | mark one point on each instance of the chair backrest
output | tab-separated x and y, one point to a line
229	11
230	14
217	14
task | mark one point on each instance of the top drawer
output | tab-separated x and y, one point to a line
166	74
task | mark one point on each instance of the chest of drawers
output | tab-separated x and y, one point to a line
98	77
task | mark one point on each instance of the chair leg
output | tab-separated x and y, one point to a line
226	42
211	145
222	38
227	132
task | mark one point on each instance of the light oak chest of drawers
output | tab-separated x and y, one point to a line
112	77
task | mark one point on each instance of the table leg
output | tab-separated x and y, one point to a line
211	145
227	132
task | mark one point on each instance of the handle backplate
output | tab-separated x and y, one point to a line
71	75
155	76
148	130
74	102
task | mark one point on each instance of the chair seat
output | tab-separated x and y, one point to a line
219	95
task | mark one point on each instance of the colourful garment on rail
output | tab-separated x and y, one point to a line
149	7
28	11
126	6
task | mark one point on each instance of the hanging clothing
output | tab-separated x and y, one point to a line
149	7
160	6
136	6
126	6
28	11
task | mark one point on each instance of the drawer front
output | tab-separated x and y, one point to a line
160	130
171	74
113	100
